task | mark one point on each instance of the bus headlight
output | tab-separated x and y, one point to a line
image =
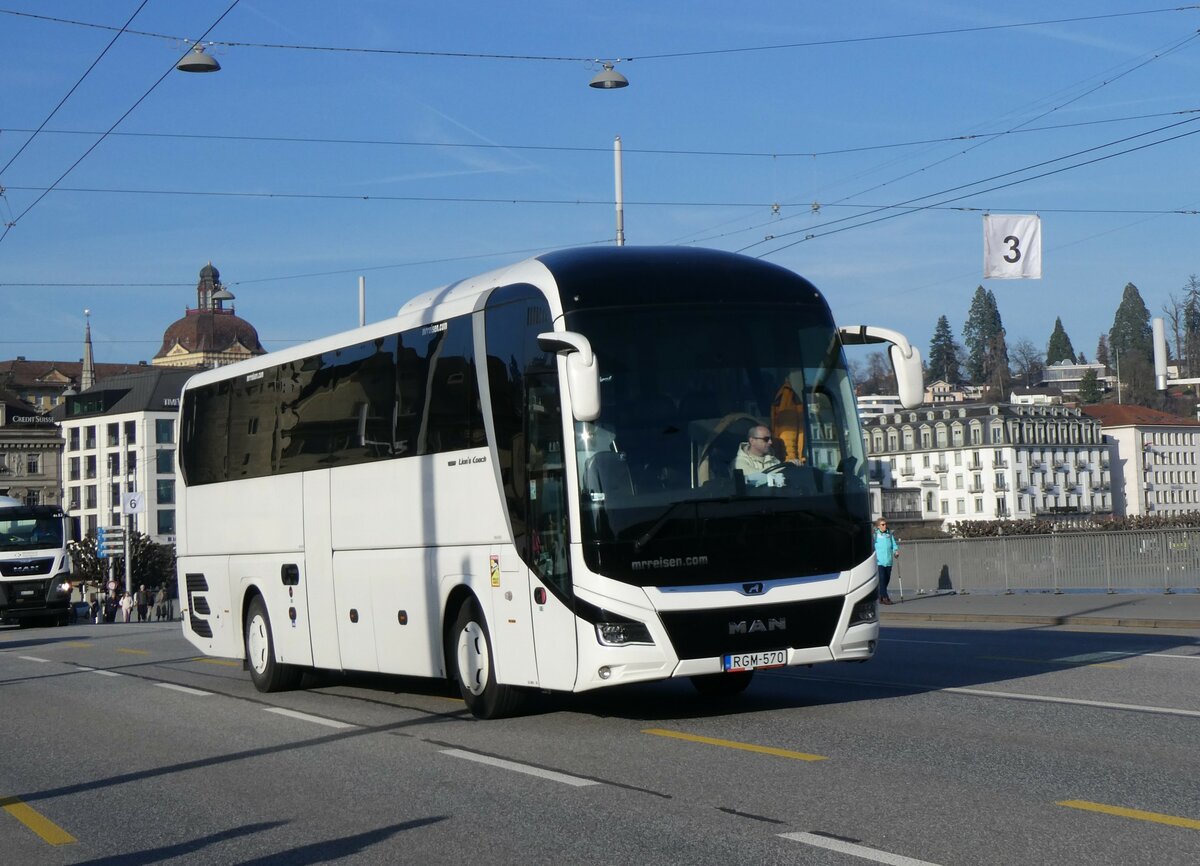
64	588
622	633
866	610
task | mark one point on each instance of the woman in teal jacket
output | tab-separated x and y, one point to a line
887	548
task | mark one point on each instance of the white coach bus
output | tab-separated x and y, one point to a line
525	481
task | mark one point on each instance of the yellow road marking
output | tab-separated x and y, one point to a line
1121	811
77	643
35	821
229	663
133	652
733	744
1059	663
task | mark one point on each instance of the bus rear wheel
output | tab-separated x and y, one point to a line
722	685
267	674
470	649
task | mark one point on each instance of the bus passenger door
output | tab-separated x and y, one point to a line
547	550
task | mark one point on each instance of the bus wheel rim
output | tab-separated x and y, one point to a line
473	661
257	644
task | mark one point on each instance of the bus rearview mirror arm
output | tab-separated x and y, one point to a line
583	373
906	359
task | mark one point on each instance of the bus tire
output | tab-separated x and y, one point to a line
469	651
267	674
722	685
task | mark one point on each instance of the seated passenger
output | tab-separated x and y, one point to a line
754	455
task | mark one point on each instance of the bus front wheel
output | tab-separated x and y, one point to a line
268	674
470	647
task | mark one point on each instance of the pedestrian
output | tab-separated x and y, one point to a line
887	548
143	604
160	603
126	606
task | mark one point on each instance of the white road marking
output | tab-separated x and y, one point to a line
1046	699
305	717
33	659
1172	656
854	850
102	673
184	689
576	781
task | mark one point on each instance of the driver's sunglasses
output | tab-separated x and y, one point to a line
764	438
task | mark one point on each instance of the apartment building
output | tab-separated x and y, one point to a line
1155	461
993	461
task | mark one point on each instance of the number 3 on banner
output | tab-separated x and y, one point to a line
1012	247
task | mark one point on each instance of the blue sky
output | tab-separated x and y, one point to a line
415	169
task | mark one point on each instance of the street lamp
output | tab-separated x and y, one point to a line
197	61
608	79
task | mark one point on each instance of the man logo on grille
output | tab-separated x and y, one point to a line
752	588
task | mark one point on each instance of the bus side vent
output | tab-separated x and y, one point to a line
198	604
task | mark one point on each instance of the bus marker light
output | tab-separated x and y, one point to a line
605	672
402	617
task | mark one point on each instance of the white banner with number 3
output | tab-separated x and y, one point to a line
1012	247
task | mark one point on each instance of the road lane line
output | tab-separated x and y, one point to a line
1045	699
228	663
35	821
830	843
133	652
33	659
305	717
102	673
734	744
1138	814
528	770
186	690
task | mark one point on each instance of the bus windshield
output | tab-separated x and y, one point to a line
22	529
712	414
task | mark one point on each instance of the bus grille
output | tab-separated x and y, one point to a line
24	567
698	634
25	593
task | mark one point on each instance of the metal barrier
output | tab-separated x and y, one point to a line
1148	560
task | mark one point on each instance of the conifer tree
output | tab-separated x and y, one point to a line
1089	388
1059	347
1130	334
944	353
979	332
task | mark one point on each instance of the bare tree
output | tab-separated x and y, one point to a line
1027	361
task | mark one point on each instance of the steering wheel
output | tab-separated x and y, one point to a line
721	426
778	467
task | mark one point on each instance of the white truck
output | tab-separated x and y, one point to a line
35	565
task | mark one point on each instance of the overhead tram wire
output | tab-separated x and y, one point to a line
666	56
284	139
820	234
12	224
74	87
989	179
1156	54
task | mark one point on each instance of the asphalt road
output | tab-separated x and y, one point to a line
963	744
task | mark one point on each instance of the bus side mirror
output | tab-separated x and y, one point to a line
906	359
583	373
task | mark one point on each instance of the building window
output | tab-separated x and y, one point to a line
33	497
130	432
166	491
89	466
73	439
89	437
114	464
164	431
114	496
166	521
90	524
164	461
73	469
945	507
113	435
979	505
89	496
33	464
